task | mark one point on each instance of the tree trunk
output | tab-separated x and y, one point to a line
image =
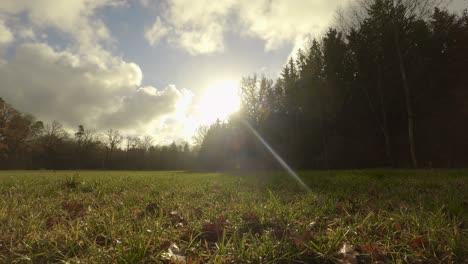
381	118
409	107
384	126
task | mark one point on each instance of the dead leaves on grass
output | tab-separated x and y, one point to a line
102	240
376	252
53	221
74	209
347	254
252	222
175	255
71	211
152	209
419	243
250	217
213	231
177	219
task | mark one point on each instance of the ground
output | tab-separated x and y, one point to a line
379	216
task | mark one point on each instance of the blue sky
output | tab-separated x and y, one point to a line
147	67
166	64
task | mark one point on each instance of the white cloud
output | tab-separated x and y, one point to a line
199	26
196	26
458	6
71	88
83	83
142	107
208	40
6	37
74	17
27	33
156	32
286	21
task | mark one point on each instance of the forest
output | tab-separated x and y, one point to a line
385	87
388	88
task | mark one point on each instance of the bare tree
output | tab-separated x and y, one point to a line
200	135
254	92
55	131
114	139
133	142
85	139
147	142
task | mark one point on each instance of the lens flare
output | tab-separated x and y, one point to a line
277	157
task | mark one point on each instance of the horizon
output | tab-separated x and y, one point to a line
155	71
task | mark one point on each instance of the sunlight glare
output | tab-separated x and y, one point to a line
219	101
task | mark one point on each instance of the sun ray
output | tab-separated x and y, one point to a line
218	102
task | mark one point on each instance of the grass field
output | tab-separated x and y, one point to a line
374	216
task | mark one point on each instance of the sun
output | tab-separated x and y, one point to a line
219	101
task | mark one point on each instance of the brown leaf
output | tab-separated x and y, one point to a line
300	238
74	209
175	255
138	213
213	232
198	212
177	219
398	227
250	217
373	250
102	240
152	209
347	254
419	242
460	184
194	260
52	221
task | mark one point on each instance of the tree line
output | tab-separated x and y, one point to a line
386	87
26	143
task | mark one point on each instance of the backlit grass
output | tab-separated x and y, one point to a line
385	216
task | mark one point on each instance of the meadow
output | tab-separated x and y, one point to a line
370	216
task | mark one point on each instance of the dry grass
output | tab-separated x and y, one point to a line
146	217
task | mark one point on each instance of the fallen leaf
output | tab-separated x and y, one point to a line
347	254
138	213
74	209
250	217
460	184
177	219
300	238
152	209
102	240
52	221
398	227
373	250
175	255
213	231
419	242
198	212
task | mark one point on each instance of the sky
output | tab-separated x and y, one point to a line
147	67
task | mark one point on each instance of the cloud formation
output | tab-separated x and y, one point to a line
196	26
6	36
154	34
60	85
82	83
75	17
199	26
